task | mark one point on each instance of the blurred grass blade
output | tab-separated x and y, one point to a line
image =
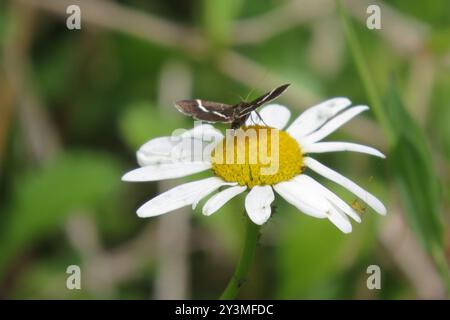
414	173
419	188
364	73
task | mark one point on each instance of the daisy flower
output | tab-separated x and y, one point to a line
174	157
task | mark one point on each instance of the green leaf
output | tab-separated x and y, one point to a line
42	199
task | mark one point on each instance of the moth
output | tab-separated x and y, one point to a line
236	115
359	206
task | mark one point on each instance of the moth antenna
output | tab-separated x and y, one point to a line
234	94
249	94
261	80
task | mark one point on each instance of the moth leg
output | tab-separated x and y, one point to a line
236	124
260	118
251	118
242	98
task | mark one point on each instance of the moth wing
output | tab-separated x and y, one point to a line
267	97
205	110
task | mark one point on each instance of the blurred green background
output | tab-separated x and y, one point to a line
76	104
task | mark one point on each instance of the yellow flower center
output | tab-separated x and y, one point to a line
257	155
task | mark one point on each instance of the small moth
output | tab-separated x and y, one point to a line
236	114
359	206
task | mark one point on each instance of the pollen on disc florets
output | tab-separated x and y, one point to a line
257	155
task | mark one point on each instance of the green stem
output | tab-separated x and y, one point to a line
248	252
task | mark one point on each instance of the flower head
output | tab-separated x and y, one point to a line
259	157
269	147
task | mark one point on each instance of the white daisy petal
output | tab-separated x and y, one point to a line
192	150
273	115
185	150
179	196
314	117
146	159
310	200
218	200
336	177
163	171
183	147
207	192
330	196
205	132
321	147
160	150
303	199
340	220
257	204
333	125
161	145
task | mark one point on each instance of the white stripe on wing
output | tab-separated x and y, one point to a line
219	114
201	107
